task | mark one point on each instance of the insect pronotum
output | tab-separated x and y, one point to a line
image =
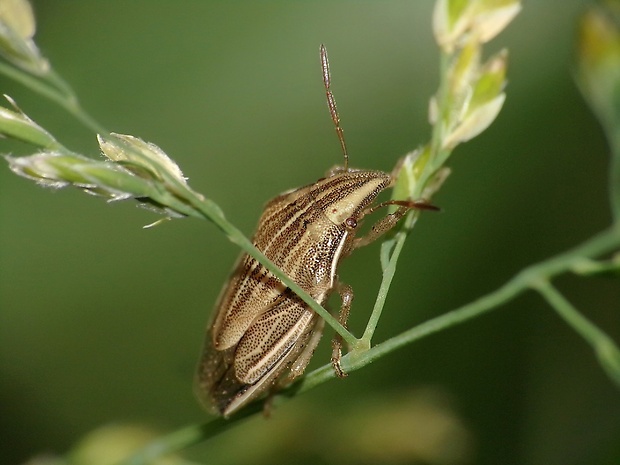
261	334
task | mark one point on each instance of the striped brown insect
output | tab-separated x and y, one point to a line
262	335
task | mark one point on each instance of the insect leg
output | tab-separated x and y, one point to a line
346	296
389	221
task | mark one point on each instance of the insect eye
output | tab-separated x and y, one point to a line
350	223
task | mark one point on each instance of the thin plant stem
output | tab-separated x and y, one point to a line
58	91
523	281
529	278
199	205
206	207
188	436
605	348
58	81
33	83
388	275
389	260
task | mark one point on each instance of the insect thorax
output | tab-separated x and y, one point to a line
304	231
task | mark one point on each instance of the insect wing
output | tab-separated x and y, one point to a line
229	379
251	290
271	337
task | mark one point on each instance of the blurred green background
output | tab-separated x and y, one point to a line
101	321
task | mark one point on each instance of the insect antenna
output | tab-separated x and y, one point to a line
331	103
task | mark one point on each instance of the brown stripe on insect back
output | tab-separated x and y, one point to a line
283	225
284	222
340	186
296	248
288	228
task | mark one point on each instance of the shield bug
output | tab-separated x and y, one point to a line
261	334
